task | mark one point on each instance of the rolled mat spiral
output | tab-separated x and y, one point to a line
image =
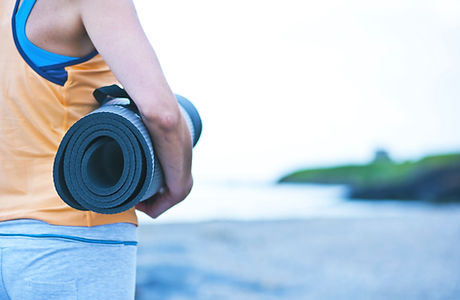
106	162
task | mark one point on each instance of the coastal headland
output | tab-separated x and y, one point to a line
433	178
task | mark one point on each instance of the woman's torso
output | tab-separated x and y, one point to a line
41	95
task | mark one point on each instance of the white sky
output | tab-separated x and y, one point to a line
284	84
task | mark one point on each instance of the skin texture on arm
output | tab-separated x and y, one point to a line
114	29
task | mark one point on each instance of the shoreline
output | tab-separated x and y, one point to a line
409	256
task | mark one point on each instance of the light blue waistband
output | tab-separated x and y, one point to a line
117	233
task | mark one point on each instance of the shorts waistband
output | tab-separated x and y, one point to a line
117	233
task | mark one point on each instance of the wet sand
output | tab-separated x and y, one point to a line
406	257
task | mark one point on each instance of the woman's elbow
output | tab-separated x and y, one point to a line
164	119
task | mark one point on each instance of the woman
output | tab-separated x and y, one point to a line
54	53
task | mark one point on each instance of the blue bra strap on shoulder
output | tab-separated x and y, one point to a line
48	64
39	56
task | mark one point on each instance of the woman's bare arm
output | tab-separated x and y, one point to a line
115	31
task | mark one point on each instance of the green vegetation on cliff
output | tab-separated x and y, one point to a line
387	179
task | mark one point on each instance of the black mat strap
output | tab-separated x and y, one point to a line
107	93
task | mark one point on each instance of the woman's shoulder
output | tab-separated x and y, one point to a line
56	26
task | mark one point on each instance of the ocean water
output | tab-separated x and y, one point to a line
264	201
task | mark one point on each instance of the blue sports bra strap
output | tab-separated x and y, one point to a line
37	55
48	64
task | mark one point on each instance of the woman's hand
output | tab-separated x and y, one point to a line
162	201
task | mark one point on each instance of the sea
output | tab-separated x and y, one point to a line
258	201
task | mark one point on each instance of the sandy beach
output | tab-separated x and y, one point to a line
413	256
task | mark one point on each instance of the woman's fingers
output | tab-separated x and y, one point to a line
159	203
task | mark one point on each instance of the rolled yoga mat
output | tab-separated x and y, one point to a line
106	162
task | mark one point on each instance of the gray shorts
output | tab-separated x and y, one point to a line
42	261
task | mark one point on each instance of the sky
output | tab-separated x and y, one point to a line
287	84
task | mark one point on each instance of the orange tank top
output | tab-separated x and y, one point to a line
37	106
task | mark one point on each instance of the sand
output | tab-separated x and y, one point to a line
406	257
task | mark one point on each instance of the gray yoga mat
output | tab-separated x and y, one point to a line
106	162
